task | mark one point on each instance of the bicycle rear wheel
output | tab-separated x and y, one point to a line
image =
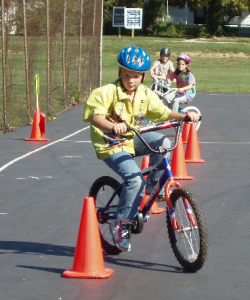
189	242
193	109
102	190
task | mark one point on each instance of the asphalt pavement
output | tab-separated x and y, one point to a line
42	188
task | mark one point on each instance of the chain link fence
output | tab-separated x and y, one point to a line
58	39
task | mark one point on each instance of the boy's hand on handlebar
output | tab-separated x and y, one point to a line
192	116
119	128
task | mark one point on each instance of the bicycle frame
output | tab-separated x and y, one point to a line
166	180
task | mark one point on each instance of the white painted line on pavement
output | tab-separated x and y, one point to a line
226	143
71	156
48	145
77	141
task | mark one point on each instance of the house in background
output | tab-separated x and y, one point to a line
198	17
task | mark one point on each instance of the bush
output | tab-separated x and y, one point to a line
178	30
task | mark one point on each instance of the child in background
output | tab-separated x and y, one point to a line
163	66
114	107
185	82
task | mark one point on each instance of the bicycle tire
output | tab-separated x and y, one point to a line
102	190
191	245
193	109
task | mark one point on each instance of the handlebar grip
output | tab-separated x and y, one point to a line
187	119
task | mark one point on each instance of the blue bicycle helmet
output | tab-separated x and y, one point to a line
134	58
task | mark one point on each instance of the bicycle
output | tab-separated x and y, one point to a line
187	230
162	89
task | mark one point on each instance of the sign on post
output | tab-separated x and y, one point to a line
130	18
118	16
133	18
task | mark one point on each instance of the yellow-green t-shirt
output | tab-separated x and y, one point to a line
111	102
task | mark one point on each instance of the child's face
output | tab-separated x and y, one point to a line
131	79
164	58
181	65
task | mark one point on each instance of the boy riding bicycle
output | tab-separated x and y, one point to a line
114	107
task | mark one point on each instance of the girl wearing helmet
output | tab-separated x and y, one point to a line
185	82
114	107
163	66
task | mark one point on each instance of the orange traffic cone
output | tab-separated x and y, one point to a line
37	128
144	165
155	209
193	151
88	260
178	165
144	200
185	133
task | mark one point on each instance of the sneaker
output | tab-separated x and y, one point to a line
121	233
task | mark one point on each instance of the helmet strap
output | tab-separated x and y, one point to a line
143	78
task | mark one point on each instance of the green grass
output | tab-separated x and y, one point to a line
218	67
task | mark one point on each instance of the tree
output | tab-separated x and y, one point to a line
219	11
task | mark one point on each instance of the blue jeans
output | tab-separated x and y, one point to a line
134	184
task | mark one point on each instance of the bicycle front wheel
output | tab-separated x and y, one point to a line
190	241
196	110
102	190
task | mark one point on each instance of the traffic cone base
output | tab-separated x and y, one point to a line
88	259
183	177
36	132
193	151
37	140
178	165
71	274
195	161
157	210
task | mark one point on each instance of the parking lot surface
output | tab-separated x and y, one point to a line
42	188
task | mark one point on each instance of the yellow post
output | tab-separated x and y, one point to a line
119	31
133	32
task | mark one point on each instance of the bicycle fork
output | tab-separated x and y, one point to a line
172	183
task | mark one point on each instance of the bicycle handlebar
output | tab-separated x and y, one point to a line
155	127
161	83
167	124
